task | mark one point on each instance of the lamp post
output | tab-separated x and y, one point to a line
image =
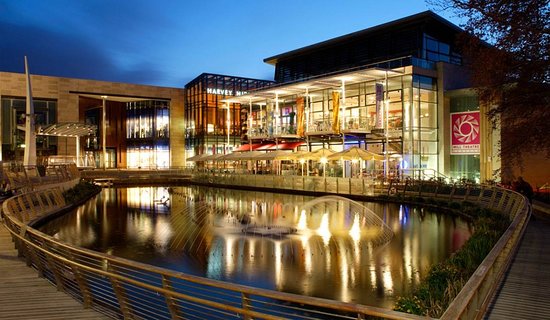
104	131
228	124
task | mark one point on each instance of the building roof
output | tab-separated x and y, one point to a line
426	16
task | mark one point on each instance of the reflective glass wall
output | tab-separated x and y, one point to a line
13	139
212	125
148	134
395	116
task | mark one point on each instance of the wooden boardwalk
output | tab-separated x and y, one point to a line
24	295
525	291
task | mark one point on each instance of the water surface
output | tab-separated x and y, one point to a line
202	231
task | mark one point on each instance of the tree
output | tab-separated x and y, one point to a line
509	60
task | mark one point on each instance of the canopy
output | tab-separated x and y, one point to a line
274	155
355	153
67	129
301	154
286	145
197	157
319	154
235	156
212	157
247	147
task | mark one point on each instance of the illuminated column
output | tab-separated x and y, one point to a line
276	113
250	120
343	124
386	107
343	105
77	150
306	110
104	131
228	127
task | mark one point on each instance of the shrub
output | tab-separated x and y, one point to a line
445	280
82	191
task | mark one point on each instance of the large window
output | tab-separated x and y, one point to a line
13	115
420	141
148	134
436	51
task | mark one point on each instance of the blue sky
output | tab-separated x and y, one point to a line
168	43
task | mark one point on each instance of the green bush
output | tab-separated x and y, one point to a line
445	280
82	191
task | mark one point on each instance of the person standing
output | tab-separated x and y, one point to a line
524	188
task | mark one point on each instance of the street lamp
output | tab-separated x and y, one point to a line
302	161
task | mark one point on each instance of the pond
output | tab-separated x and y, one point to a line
332	249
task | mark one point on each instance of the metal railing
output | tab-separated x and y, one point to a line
124	288
17	178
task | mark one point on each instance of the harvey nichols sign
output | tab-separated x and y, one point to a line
225	92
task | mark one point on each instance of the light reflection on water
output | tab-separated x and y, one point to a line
198	230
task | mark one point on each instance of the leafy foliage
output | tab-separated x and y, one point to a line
82	191
509	59
445	280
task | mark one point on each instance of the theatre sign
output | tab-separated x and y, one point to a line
465	132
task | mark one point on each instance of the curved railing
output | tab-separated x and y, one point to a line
124	288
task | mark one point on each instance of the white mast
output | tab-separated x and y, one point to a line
29	157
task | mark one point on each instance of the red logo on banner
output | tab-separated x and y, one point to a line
465	132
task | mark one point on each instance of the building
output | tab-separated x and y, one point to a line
143	124
215	126
398	89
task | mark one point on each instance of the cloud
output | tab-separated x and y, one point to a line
66	55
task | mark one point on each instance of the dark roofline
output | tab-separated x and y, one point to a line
223	75
334	41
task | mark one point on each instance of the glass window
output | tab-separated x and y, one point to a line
444	48
432	45
432	56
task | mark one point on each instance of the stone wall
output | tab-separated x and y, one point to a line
67	91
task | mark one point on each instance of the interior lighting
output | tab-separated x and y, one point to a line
302	161
324	161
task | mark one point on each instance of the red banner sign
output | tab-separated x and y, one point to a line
465	132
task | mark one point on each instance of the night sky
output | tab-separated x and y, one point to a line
168	43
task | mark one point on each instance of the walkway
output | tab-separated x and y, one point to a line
525	291
23	295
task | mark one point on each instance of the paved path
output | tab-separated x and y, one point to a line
525	291
23	295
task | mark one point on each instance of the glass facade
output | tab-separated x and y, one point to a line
213	125
148	134
392	112
436	51
13	139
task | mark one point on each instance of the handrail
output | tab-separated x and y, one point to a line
121	287
75	270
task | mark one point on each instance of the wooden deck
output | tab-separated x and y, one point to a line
23	295
525	291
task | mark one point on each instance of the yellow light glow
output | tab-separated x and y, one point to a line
324	230
355	231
